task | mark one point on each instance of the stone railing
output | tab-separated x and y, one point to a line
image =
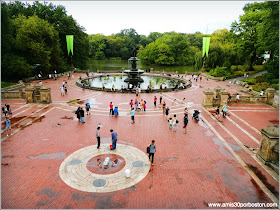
220	97
14	91
213	78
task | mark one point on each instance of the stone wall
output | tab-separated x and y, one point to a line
14	91
220	98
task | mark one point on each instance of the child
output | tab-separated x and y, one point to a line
144	106
170	123
139	106
131	103
116	112
8	126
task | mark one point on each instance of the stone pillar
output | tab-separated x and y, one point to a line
224	97
217	91
207	98
45	95
269	147
29	94
276	100
270	95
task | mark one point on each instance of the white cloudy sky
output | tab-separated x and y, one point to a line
109	17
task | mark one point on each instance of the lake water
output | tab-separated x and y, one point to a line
110	65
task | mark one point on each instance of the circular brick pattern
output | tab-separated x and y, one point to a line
94	167
74	172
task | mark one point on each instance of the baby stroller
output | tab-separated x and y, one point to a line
196	115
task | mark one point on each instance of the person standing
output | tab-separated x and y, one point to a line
131	103
237	97
62	91
186	120
174	123
144	106
152	151
87	108
103	86
78	113
98	137
160	98
82	115
174	102
155	101
111	108
132	115
8	126
184	101
116	112
163	107
65	89
225	108
114	139
167	112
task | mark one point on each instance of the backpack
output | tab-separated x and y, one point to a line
148	149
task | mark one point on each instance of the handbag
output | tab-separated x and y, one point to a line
111	147
177	121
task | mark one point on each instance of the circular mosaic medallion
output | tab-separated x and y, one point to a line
74	169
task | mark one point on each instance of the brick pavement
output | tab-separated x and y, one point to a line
190	169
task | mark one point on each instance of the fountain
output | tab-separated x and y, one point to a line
134	73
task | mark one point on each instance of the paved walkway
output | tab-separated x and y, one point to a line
213	162
250	75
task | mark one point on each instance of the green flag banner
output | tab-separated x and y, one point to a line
206	45
70	45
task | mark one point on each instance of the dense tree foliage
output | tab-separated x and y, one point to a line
35	34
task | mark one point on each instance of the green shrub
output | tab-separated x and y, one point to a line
234	68
244	68
261	86
227	64
6	84
275	86
258	68
274	81
220	72
250	81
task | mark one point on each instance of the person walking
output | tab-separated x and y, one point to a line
78	113
114	139
87	108
174	102
155	101
186	120
160	99
8	126
98	137
152	151
225	108
82	115
111	108
132	115
5	110
218	114
131	103
184	101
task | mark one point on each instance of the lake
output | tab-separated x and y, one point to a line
110	65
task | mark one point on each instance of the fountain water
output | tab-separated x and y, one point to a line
134	73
